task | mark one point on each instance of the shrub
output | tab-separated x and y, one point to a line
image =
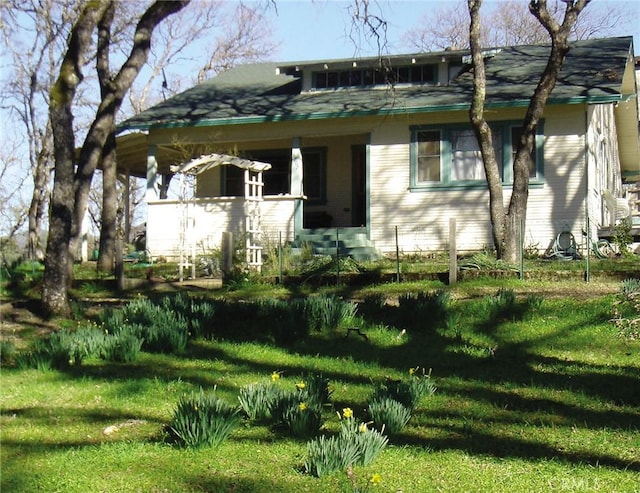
161	328
622	236
7	350
317	388
626	313
202	419
328	454
369	442
287	321
63	349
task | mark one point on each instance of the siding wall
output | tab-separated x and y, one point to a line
422	217
603	164
207	219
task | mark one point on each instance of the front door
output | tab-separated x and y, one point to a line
359	184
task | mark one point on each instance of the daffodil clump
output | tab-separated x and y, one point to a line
393	402
203	419
357	444
297	407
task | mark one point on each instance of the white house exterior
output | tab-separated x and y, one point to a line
349	150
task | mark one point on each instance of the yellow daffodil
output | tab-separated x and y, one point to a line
347	412
363	427
275	376
375	479
300	385
302	406
412	371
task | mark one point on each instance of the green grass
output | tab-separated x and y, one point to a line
542	398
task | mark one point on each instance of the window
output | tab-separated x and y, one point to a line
277	181
413	74
449	156
428	156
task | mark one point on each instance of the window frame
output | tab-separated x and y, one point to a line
503	126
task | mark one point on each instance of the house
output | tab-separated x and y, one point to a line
381	150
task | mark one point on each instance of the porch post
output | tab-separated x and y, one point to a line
296	182
152	174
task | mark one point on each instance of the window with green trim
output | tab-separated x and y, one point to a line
449	155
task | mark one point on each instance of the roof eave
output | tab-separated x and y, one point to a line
215	122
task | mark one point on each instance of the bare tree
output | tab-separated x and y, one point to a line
13	211
33	32
245	38
510	23
506	223
71	189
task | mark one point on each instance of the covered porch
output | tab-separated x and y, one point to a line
313	184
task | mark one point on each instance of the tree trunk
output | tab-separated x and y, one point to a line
507	227
113	92
109	218
55	300
483	133
71	192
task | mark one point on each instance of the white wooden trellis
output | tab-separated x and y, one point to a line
186	240
253	197
253	189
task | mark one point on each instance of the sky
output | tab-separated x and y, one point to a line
318	29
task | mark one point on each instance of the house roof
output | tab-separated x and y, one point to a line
265	92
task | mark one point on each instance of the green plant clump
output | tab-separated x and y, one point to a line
389	414
424	310
203	419
356	445
259	400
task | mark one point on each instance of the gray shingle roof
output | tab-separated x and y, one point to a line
592	71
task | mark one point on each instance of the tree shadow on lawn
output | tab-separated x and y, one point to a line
474	441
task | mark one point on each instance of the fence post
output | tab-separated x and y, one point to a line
521	242
397	257
587	274
453	255
119	265
227	253
337	256
280	258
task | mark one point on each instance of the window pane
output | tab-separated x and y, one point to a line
466	160
428	159
332	79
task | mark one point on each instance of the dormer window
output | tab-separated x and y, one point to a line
355	77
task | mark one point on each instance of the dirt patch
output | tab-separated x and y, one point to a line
19	321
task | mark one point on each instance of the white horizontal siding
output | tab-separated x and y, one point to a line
422	217
206	220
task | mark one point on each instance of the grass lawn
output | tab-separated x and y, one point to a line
541	399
